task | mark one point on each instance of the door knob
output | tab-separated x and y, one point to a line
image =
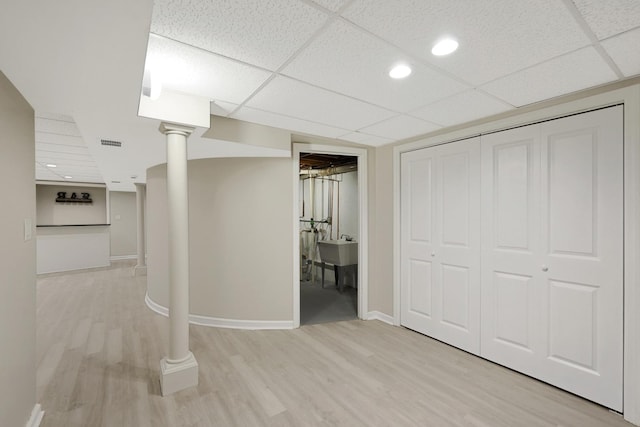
433	254
545	268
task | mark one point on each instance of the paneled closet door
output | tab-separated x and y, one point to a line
440	243
552	289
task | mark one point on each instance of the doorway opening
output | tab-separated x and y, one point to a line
330	234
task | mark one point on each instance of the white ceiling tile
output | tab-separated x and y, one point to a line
609	17
46	175
187	69
363	138
53	138
290	123
497	37
54	116
569	73
348	60
291	98
261	32
400	127
222	108
618	48
332	5
57	127
60	150
461	108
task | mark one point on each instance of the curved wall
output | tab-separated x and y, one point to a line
241	254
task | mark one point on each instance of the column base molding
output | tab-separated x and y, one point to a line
140	270
178	376
36	416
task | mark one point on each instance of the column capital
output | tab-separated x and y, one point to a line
172	128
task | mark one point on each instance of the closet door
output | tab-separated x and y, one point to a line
552	252
440	243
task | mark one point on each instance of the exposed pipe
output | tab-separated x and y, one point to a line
312	196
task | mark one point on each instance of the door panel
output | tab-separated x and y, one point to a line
582	219
553	308
511	248
455	296
512	296
418	211
420	288
572	192
548	249
441	201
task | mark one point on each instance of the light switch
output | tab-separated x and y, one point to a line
27	229
117	217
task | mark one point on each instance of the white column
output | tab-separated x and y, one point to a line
180	368
141	267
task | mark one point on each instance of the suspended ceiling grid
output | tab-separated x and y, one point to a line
312	67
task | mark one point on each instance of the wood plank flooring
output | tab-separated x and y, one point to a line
99	351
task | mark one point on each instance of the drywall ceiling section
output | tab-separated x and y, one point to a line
61	153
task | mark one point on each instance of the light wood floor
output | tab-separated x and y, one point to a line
100	348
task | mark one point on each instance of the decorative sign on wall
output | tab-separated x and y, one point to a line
73	198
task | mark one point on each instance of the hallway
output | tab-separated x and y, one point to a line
99	350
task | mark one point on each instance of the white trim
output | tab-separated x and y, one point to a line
218	322
363	237
71	184
121	257
630	97
36	416
378	315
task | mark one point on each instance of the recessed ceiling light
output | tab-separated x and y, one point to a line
444	47
400	71
51	165
67	177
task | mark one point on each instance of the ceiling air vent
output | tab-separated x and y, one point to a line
111	143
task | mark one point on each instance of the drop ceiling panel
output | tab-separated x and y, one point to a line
261	32
400	127
61	150
566	74
276	120
292	98
618	49
44	174
461	108
351	61
56	139
363	138
609	17
332	5
53	116
56	127
184	68
497	37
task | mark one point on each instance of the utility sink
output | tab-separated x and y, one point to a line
338	252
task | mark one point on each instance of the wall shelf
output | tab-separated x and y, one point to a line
73	225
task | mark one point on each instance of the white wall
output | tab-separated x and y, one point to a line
49	212
123	212
17	258
381	231
241	255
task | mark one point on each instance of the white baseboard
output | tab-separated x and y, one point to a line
36	416
217	322
121	257
378	315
